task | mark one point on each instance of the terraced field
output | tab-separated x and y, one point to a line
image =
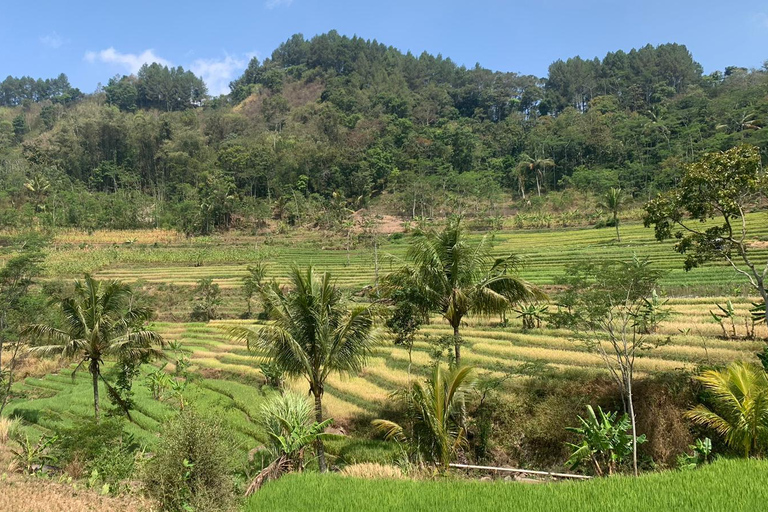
230	376
183	262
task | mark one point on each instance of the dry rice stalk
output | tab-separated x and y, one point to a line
275	470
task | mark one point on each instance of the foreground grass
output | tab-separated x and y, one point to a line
734	485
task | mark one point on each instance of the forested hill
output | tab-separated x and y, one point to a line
335	122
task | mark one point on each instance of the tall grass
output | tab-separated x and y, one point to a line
733	485
8	426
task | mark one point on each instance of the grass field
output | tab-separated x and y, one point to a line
737	486
160	257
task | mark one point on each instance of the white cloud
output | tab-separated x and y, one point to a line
217	73
53	40
271	4
131	62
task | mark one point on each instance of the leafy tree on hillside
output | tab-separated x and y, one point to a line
100	320
536	166
706	212
315	333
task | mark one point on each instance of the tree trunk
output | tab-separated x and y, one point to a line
95	374
457	345
9	377
616	223
631	404
319	418
410	361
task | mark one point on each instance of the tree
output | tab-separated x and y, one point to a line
207	300
436	429
455	278
16	277
606	302
253	282
315	333
538	166
405	319
100	320
720	187
613	201
739	410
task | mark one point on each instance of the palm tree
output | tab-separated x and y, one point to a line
740	415
538	166
613	201
456	278
437	430
100	320
315	333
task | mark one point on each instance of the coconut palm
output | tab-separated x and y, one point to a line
436	429
315	333
740	412
613	201
538	166
100	321
456	278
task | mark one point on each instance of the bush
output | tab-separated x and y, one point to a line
191	469
103	450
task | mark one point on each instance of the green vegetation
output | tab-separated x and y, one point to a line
724	485
739	412
454	278
332	123
315	333
410	180
100	320
192	466
435	429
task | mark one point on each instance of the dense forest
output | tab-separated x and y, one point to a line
335	122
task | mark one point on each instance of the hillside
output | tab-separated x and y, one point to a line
333	122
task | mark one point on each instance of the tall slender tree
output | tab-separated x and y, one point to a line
456	278
613	201
315	333
100	320
538	166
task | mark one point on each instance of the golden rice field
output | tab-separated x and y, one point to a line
491	348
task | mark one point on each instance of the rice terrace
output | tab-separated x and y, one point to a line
344	277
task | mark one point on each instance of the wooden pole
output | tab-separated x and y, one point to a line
527	471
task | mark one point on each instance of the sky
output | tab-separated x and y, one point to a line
92	41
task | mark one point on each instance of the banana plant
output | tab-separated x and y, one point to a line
605	441
727	312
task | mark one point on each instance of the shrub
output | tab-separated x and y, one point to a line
191	469
103	450
207	301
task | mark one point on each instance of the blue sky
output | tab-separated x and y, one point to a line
91	41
